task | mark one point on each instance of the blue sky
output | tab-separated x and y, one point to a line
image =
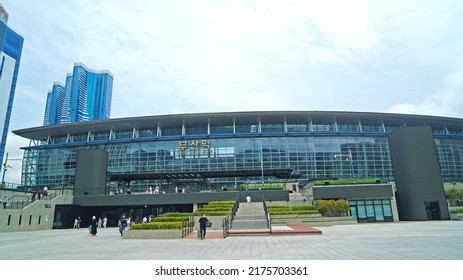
172	57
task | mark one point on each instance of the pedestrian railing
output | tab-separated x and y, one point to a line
267	214
187	226
234	210
23	203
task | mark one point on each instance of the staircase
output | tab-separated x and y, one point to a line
250	218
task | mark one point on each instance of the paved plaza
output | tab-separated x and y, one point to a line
430	240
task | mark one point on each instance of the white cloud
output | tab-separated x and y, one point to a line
172	57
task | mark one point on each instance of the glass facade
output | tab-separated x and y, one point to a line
373	210
311	149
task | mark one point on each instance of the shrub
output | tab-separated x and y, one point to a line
211	213
289	212
209	209
224	202
341	206
157	225
177	214
325	206
303	207
454	193
170	219
284	208
456	211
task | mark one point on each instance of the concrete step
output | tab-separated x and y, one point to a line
249	224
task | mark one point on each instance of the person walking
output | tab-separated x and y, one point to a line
94	226
79	220
122	224
248	199
5	202
105	221
202	225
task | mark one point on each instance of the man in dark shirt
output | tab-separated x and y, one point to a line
122	224
202	225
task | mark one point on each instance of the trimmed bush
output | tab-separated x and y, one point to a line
170	219
211	213
289	212
456	211
157	225
224	202
303	207
277	207
208	209
177	214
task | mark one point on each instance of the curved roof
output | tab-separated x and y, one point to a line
227	118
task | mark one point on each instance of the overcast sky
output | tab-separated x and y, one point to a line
171	57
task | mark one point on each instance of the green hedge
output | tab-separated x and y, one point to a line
157	225
170	219
177	214
277	207
211	213
303	207
348	181
224	202
456	211
286	212
209	209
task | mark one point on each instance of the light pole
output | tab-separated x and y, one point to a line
349	158
6	166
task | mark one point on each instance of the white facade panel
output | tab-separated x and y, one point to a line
6	80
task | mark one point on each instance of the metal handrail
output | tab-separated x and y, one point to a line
267	214
187	226
234	210
225	226
23	203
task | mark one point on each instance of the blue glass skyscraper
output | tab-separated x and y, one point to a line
11	44
54	105
85	97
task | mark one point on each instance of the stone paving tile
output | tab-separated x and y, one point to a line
431	240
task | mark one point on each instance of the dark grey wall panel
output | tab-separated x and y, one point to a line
91	172
353	192
417	173
172	198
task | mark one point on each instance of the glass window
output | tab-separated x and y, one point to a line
79	138
371	128
245	128
190	130
221	129
322	127
147	133
124	134
297	127
379	212
171	131
101	136
347	127
271	127
59	140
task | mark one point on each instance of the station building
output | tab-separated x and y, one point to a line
214	156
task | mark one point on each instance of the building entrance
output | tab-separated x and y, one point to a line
432	210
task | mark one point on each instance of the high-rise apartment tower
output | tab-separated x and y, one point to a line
11	45
85	97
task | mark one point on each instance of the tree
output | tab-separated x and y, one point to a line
341	206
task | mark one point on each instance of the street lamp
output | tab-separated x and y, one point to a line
6	166
349	158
